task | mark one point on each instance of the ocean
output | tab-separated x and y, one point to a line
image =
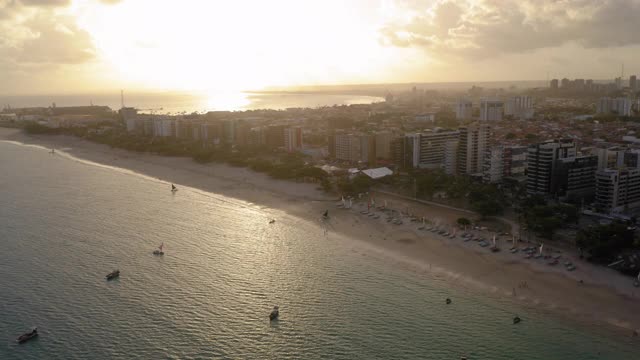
66	223
175	103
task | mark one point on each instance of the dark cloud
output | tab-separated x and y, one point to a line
487	28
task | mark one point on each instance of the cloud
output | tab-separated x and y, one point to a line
41	35
489	28
45	3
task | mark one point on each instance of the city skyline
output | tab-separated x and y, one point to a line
78	46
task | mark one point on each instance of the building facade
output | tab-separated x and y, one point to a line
617	106
617	190
574	178
293	139
464	109
491	110
474	142
520	107
541	162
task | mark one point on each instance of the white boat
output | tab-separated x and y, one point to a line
173	188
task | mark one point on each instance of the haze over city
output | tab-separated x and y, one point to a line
365	179
63	46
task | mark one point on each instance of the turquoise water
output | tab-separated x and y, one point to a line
65	224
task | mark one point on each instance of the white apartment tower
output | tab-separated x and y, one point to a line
464	109
491	110
473	144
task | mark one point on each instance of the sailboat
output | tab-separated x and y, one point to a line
173	188
495	247
159	251
539	255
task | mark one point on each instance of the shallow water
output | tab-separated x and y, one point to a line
65	224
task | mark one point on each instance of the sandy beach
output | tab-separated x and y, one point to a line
604	296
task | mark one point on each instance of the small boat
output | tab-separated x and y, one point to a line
516	319
514	250
448	301
274	313
495	249
173	188
272	221
27	336
112	275
159	251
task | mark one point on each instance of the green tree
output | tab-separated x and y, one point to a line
464	221
604	242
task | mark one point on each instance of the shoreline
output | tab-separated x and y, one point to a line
606	296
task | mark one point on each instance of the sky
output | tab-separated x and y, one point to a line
74	46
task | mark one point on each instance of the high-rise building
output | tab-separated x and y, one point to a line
588	85
541	162
429	148
618	82
493	165
564	83
464	109
347	147
554	84
515	161
619	106
504	161
617	190
242	133
400	152
368	149
491	110
574	177
633	82
258	136
275	136
229	131
474	141
383	144
520	107
451	157
293	139
355	148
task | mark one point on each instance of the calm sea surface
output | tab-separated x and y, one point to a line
65	224
186	102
